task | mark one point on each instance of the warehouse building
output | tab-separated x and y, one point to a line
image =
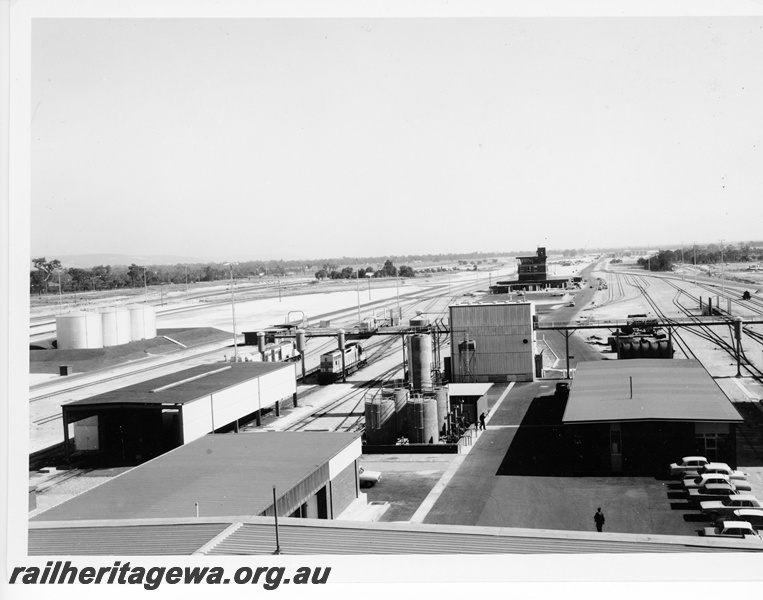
315	475
638	416
492	342
136	423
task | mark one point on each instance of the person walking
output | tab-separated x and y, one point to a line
599	519
482	421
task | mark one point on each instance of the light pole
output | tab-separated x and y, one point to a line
60	295
145	283
186	280
233	313
723	284
357	289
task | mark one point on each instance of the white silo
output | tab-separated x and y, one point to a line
78	330
142	323
117	326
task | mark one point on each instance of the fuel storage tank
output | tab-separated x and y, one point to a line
420	353
380	420
116	325
142	323
79	330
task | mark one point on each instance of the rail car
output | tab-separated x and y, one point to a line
331	363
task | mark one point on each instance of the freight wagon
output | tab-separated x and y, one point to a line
331	363
283	351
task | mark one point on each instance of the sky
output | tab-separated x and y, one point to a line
305	138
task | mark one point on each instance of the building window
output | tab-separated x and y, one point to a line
712	445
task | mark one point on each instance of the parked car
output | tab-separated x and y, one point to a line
368	478
718	467
710	491
754	516
740	485
725	507
737	529
687	463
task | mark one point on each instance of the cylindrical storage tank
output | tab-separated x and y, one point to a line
401	414
441	394
142	323
663	349
301	340
431	430
78	330
626	348
261	342
415	410
420	361
644	348
380	421
116	326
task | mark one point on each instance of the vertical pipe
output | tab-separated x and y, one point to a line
275	514
631	378
567	351
196	504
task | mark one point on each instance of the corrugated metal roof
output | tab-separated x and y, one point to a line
672	390
227	474
187	385
147	540
256	535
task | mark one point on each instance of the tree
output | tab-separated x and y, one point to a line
45	269
407	271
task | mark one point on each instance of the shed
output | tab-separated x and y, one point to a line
138	422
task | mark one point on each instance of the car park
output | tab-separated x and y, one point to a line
739	485
725	507
368	478
718	467
687	464
754	516
737	529
710	491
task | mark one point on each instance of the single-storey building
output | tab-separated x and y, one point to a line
638	416
315	475
136	423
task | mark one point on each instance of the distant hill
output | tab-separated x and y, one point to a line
88	261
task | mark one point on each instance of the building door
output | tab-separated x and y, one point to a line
616	447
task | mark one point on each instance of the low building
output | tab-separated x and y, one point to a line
139	422
638	416
315	475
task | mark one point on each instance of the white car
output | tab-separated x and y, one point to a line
368	478
737	529
727	506
718	467
688	463
739	485
754	516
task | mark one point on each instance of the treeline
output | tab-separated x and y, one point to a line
48	274
663	260
329	271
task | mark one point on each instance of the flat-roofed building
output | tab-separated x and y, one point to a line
138	422
315	475
638	416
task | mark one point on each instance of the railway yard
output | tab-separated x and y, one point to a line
440	488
